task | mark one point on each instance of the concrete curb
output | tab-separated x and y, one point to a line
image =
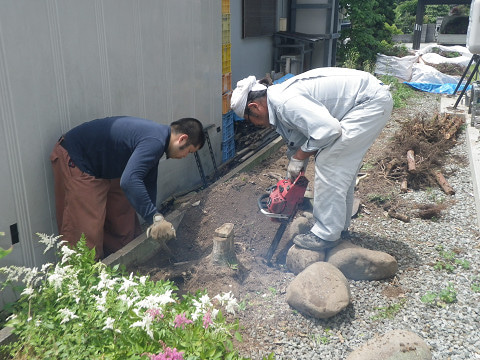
141	249
473	142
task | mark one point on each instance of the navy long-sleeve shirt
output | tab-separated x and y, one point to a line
122	147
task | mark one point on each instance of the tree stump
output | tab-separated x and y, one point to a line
223	252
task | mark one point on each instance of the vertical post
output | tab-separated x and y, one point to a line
417	33
292	23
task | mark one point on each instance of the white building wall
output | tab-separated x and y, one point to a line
64	62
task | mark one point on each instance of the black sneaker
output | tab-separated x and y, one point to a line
311	241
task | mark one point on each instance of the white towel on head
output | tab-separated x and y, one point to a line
239	97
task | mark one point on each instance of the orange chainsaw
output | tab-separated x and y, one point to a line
280	203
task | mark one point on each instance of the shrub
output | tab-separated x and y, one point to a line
82	309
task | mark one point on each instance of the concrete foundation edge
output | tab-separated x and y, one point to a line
473	143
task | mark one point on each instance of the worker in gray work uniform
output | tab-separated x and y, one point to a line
333	114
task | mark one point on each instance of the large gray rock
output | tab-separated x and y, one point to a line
394	345
320	291
358	263
299	259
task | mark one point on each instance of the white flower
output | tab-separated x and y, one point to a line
145	324
156	301
127	283
60	273
30	275
142	280
67	253
205	300
28	291
67	315
49	241
105	281
129	301
201	306
14	273
101	300
109	323
74	289
229	301
46	266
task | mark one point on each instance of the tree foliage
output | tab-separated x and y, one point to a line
406	11
363	39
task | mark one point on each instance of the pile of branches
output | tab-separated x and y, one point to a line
416	157
448	68
418	151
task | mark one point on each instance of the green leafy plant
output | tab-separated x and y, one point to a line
82	309
4	252
475	284
389	311
441	299
378	198
449	261
323	338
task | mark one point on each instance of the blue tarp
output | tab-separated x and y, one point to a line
437	88
283	78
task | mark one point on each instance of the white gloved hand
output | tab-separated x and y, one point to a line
161	229
295	166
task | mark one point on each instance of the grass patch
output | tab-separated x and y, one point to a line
400	92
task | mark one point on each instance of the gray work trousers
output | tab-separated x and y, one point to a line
336	166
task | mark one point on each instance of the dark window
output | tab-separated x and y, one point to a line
259	17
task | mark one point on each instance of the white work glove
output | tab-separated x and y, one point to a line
161	229
295	166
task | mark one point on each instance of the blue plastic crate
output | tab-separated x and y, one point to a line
228	149
228	126
237	118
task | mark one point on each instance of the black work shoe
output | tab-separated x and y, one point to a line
311	241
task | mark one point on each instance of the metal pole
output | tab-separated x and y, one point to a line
417	33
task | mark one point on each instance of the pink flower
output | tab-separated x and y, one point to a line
156	314
181	320
168	354
207	319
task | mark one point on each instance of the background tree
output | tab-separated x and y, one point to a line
360	43
405	13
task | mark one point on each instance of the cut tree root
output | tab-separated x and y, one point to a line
411	162
401	217
443	183
453	127
391	164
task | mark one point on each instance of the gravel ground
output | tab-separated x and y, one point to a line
452	330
